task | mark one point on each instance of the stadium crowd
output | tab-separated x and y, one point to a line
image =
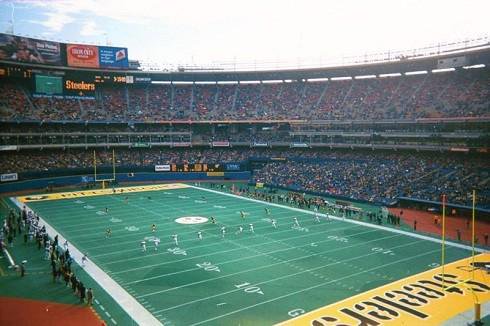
454	94
371	176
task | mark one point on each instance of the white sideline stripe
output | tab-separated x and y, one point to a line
313	287
380	227
128	303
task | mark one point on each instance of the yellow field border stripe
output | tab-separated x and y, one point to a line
100	192
421	299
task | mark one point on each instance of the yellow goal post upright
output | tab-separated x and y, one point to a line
471	271
104	181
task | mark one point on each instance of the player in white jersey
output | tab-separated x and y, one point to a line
156	241
84	260
199	235
327	217
176	239
223	231
65	244
296	223
47	251
240	230
317	217
274	223
143	245
251	227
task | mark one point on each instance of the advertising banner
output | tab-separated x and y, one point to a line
162	168
8	148
9	177
299	145
220	144
232	167
111	57
78	55
24	49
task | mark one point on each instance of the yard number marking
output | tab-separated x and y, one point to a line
337	238
207	266
177	251
248	288
296	312
383	251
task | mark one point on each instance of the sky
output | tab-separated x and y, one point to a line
208	32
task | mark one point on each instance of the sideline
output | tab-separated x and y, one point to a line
128	303
379	227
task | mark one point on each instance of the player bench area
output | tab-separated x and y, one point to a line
239	276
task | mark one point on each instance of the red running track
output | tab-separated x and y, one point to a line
425	223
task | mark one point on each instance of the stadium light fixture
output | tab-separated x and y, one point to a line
317	79
396	74
435	71
420	72
365	77
205	83
474	66
250	82
341	78
271	81
234	82
183	83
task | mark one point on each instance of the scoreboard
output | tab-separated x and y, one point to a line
196	167
111	79
80	76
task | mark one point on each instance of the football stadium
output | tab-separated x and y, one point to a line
354	192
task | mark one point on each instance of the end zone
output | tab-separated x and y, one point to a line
100	192
415	300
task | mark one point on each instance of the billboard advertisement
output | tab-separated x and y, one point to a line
110	57
91	56
78	55
24	49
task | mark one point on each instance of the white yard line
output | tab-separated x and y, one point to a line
282	277
262	267
380	227
129	304
313	287
221	252
264	254
171	243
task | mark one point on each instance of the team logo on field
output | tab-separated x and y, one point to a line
191	220
36	197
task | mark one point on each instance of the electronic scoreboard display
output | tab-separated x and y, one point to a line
197	167
111	79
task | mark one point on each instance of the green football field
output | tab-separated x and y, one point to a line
258	278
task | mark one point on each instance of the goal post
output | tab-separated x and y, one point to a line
105	181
